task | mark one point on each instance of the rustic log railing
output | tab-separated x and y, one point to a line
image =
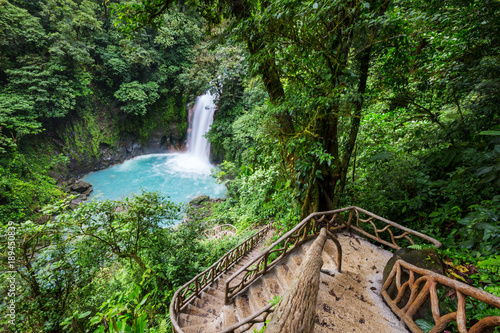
380	227
310	227
297	309
258	317
423	284
305	287
192	289
221	230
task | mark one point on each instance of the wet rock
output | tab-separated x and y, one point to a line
136	149
130	147
427	259
198	200
80	187
88	191
156	140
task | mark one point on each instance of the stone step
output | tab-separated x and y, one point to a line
272	286
208	301
229	316
203	328
219	293
285	274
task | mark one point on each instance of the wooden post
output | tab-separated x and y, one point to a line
349	221
296	311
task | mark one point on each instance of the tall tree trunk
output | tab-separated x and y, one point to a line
355	123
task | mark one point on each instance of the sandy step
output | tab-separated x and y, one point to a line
285	274
258	295
194	310
272	286
203	328
191	320
242	306
229	316
208	301
216	292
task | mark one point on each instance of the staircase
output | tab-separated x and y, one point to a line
233	295
206	313
347	301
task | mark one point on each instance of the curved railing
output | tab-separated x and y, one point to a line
423	284
380	226
192	289
259	316
309	228
221	230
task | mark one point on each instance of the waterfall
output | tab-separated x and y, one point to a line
195	159
197	144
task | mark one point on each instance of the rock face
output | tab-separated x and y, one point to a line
198	200
427	259
160	140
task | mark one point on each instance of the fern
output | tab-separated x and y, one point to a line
491	264
416	247
276	299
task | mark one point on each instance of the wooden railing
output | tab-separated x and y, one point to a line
258	317
383	230
309	228
221	230
192	289
423	284
296	311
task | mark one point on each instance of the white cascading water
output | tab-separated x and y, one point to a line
195	160
197	144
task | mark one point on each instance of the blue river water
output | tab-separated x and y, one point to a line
180	176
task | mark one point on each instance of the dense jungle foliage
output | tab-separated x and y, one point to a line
392	106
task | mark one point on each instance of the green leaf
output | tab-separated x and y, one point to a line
424	325
489	133
435	214
83	315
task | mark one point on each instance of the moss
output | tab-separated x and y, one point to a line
163	113
84	135
25	186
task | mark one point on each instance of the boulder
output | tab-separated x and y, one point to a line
425	258
198	200
80	186
88	191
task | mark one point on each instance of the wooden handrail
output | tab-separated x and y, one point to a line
425	286
191	289
309	228
222	228
407	232
252	319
